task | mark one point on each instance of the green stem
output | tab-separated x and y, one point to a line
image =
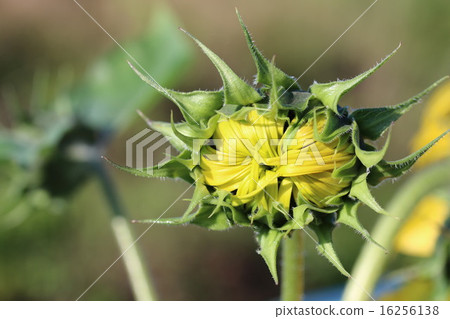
140	281
372	260
292	276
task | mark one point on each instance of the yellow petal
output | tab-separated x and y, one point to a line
316	187
285	193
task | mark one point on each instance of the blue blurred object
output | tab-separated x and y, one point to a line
334	293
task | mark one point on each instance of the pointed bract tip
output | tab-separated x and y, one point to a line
238	15
138	221
144	117
438	82
395	51
131	65
190	35
108	160
183	30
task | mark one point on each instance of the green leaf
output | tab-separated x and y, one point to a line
336	200
218	200
182	136
368	158
372	122
334	127
166	130
301	218
197	107
166	221
240	217
172	169
298	101
203	132
269	241
229	110
201	105
330	93
237	113
267	74
110	92
194	137
348	216
202	217
200	192
348	170
205	218
236	91
291	131
360	190
392	169
276	92
324	245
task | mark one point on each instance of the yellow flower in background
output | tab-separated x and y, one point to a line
435	120
419	234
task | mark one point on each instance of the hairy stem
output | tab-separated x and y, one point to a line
292	276
372	260
138	276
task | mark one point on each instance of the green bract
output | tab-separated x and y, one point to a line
294	199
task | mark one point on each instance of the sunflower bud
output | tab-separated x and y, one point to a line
278	158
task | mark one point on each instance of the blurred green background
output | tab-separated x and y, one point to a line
52	67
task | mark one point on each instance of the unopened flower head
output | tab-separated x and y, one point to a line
277	158
273	164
